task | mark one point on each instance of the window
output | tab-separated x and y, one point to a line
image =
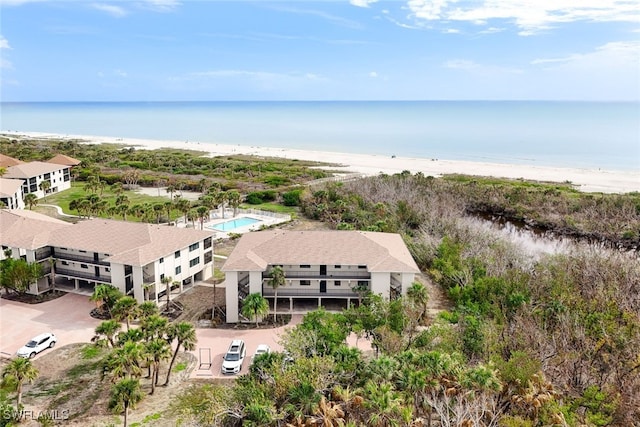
305	266
362	267
81	251
176	254
194	261
178	270
337	266
65	263
194	247
161	260
107	269
84	266
207	243
337	283
63	249
305	282
363	284
161	277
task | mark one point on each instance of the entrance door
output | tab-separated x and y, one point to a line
323	286
323	270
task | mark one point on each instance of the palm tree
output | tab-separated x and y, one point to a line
45	186
126	361
203	212
117	188
192	215
147	309
167	280
277	280
106	295
157	350
418	295
234	200
108	329
124	395
254	306
52	264
154	326
19	370
168	205
171	188
30	200
157	209
185	334
183	205
126	308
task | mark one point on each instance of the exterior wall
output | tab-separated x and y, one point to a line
137	276
407	281
60	180
380	283
14	201
231	295
255	282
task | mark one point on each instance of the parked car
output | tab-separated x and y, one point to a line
234	357
37	344
262	349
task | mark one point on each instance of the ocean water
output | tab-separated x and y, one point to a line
568	134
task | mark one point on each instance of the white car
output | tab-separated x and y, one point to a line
37	344
262	349
234	357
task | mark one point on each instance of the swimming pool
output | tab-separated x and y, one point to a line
234	223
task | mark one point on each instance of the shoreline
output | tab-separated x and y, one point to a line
583	179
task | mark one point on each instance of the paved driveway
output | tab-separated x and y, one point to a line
67	317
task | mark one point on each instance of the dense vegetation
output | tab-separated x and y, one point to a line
187	170
531	340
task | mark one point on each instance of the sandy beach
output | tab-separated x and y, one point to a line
587	180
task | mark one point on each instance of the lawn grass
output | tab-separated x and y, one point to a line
77	191
272	207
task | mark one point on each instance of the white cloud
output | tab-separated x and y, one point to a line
611	55
529	16
373	74
120	73
451	31
162	5
362	3
6	64
471	66
461	64
4	43
111	9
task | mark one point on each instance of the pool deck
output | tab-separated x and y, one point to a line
265	219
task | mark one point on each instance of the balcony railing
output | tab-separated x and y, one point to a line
80	258
268	291
317	276
82	275
43	253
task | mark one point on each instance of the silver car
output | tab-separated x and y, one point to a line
37	344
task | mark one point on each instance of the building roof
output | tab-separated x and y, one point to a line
61	159
8	187
31	169
129	243
6	161
380	252
21	228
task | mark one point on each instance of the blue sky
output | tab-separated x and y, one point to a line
168	50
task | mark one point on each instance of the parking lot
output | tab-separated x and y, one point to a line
68	318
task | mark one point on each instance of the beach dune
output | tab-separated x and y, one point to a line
587	180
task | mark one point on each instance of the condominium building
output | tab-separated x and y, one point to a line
33	174
318	265
136	258
11	196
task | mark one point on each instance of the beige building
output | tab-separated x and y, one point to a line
11	195
318	265
32	174
134	257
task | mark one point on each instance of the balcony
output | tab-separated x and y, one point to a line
43	253
268	291
316	276
75	274
80	258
